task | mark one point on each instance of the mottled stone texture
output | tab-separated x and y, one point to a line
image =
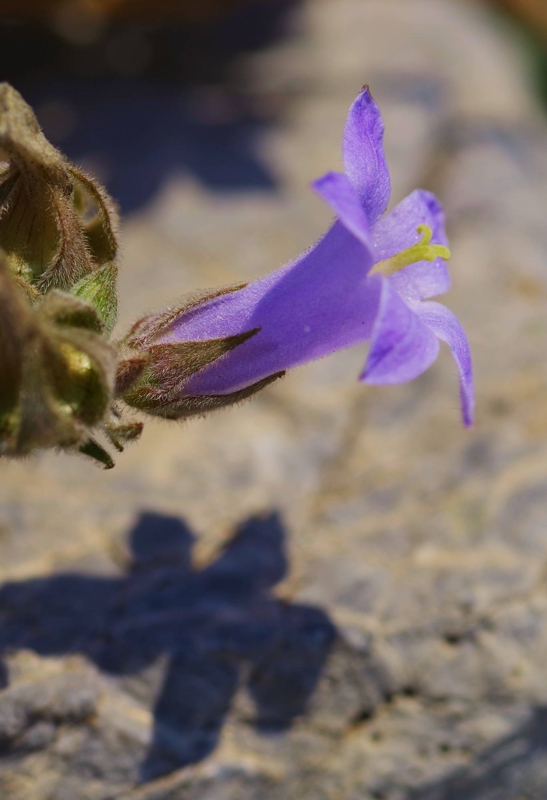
333	592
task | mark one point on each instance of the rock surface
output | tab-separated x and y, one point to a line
333	592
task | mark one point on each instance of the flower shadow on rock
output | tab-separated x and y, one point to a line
215	627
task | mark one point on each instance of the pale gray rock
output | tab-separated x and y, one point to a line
333	592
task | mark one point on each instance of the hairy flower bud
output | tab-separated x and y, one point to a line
57	372
80	364
57	226
58	298
15	332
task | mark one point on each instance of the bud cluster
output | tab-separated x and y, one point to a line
58	301
61	377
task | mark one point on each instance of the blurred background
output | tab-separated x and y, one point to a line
334	592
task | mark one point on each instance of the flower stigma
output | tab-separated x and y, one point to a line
422	251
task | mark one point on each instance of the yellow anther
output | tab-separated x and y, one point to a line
422	251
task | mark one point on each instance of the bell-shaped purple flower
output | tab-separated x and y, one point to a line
368	278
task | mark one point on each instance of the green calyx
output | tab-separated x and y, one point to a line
99	290
421	251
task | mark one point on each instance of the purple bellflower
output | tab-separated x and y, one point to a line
369	278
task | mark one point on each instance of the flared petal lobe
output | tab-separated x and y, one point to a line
444	324
402	347
336	190
398	230
364	158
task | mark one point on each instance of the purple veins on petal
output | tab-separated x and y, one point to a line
364	159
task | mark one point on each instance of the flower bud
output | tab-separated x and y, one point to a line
45	203
15	332
56	371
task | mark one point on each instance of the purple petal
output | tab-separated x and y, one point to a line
397	230
364	158
320	303
402	346
444	324
336	190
